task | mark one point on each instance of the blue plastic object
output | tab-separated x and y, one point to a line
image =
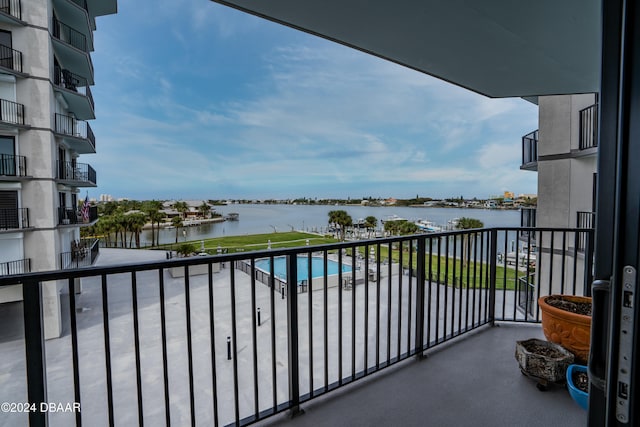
578	395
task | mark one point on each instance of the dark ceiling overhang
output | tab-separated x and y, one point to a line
499	48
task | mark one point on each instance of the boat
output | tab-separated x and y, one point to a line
392	218
428	226
232	216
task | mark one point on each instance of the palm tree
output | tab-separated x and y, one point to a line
467	224
155	216
181	207
370	222
176	221
340	219
204	209
137	221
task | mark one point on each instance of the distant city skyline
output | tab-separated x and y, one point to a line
197	100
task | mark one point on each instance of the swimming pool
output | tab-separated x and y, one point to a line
317	267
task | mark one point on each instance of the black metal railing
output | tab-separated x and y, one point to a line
80	172
72	216
69	35
69	125
83	253
588	137
20	266
72	82
530	149
12	165
16	218
349	310
527	220
11	7
585	220
11	112
10	58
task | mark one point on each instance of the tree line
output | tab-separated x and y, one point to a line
121	223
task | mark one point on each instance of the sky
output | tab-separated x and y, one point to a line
195	100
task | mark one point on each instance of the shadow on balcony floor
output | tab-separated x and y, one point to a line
474	381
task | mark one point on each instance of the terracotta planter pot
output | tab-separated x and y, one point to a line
571	330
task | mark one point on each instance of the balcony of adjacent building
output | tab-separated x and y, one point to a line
71	47
11	114
75	13
588	136
527	220
11	61
530	151
19	266
76	92
11	12
228	340
76	134
76	174
83	253
585	220
12	167
14	219
77	216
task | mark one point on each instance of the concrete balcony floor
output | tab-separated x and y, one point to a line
473	381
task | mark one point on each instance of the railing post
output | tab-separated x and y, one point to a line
420	284
493	259
292	334
588	261
34	351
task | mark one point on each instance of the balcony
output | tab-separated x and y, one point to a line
224	344
76	133
11	12
11	59
588	136
75	14
11	114
12	167
83	254
71	216
76	174
71	48
20	266
530	151
76	92
14	219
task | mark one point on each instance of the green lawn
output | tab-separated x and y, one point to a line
256	242
451	270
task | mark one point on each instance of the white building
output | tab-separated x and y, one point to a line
45	104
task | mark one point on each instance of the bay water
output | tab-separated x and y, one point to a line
261	218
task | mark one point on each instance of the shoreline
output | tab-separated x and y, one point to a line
186	223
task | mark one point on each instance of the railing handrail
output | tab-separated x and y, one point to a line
232	257
10	58
11	112
530	147
69	35
69	125
588	136
13	165
11	7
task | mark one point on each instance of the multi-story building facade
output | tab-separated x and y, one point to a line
45	103
564	153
